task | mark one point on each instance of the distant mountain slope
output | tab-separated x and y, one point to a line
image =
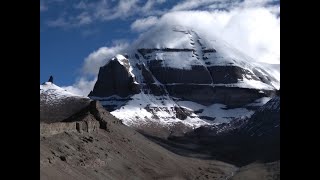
239	142
57	104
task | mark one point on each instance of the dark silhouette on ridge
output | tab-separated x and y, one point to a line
50	79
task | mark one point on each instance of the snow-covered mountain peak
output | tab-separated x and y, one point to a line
177	74
164	38
120	58
182	47
53	90
124	62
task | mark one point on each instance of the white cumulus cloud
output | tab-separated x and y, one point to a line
89	72
254	31
250	26
83	86
144	23
100	57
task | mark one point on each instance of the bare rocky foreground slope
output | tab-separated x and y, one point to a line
92	144
95	145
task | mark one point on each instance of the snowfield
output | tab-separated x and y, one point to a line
137	111
56	92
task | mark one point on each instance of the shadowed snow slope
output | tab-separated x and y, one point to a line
57	104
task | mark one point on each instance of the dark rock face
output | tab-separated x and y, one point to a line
114	79
166	75
199	70
228	74
50	79
148	77
265	121
182	113
198	83
149	86
206	94
145	51
204	84
155	89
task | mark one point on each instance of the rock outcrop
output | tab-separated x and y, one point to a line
50	79
87	124
115	78
89	119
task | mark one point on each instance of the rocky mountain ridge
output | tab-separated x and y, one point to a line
182	78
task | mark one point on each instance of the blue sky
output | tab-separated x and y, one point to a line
77	35
62	51
64	46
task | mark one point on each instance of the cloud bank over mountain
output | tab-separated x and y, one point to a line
252	27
